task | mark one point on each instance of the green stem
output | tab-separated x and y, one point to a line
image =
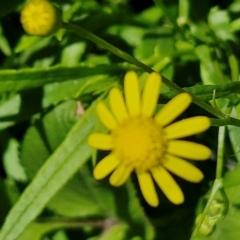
218	72
76	223
183	12
224	122
233	63
90	36
217	185
220	152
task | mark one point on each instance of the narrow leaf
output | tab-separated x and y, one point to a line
18	80
58	169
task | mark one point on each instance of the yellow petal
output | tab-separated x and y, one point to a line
183	169
190	150
187	127
120	175
147	188
100	141
168	185
132	93
106	116
151	93
105	166
173	109
117	104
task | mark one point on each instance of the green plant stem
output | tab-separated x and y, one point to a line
183	11
90	36
224	122
233	63
75	223
217	185
220	152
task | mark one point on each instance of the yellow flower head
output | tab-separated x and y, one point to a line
40	18
148	144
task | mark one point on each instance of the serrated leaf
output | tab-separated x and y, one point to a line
56	92
18	80
206	92
11	161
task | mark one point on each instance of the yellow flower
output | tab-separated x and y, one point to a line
40	18
147	144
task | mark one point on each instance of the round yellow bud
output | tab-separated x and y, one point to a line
40	18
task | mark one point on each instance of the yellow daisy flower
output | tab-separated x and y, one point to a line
147	144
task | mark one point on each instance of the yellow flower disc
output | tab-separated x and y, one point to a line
139	142
40	18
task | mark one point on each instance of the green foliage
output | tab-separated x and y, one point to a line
48	91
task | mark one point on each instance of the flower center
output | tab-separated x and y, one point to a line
139	142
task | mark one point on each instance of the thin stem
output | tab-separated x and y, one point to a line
220	152
224	122
217	185
72	223
183	12
233	63
90	36
103	223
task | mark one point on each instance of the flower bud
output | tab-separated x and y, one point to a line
40	18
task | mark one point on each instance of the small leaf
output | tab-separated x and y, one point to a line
219	21
11	162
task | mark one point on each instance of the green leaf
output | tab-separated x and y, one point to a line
219	21
4	45
117	232
18	80
11	161
47	133
5	202
72	54
208	72
36	230
234	133
169	8
56	92
26	42
228	228
56	171
9	108
150	16
206	92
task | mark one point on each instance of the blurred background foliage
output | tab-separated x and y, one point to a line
48	88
